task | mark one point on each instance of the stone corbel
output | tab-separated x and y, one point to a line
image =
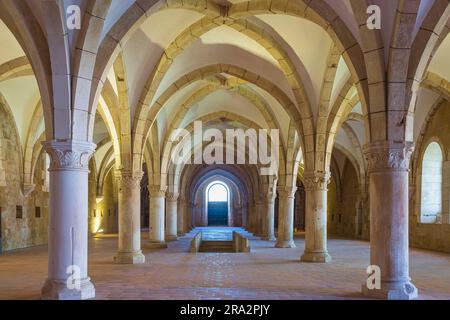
28	189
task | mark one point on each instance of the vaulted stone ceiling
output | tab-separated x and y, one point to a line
167	45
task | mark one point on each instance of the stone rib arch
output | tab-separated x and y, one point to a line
14	68
30	143
176	171
203	92
166	163
19	19
205	72
105	166
430	36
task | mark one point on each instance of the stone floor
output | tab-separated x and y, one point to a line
266	273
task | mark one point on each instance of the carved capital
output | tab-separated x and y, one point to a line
287	192
316	181
388	156
172	196
156	191
69	154
128	179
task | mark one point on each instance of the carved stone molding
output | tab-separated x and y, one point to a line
156	191
128	179
69	154
316	181
172	196
388	156
286	192
28	189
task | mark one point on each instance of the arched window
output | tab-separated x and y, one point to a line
431	192
218	193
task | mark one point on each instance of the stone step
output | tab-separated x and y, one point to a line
216	246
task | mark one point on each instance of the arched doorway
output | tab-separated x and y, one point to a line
217	202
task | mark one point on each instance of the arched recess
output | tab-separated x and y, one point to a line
239	182
431	184
201	202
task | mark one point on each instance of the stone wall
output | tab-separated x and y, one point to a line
21	224
104	213
434	236
342	209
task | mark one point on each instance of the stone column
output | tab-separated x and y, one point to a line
129	185
180	216
157	223
388	165
259	216
187	212
68	221
316	187
269	216
285	237
190	220
251	218
171	216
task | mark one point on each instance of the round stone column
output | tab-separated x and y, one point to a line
180	216
316	187
171	216
269	217
129	185
157	217
259	216
68	221
388	165
285	237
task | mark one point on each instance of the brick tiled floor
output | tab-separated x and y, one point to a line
265	273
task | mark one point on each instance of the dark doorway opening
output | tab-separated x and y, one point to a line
217	213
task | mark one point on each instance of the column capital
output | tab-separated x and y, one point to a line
69	154
388	155
316	181
157	191
128	178
287	191
172	196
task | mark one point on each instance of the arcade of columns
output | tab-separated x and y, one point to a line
71	68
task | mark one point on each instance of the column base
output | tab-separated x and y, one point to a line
285	244
392	291
156	245
268	238
171	238
317	257
129	258
57	290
